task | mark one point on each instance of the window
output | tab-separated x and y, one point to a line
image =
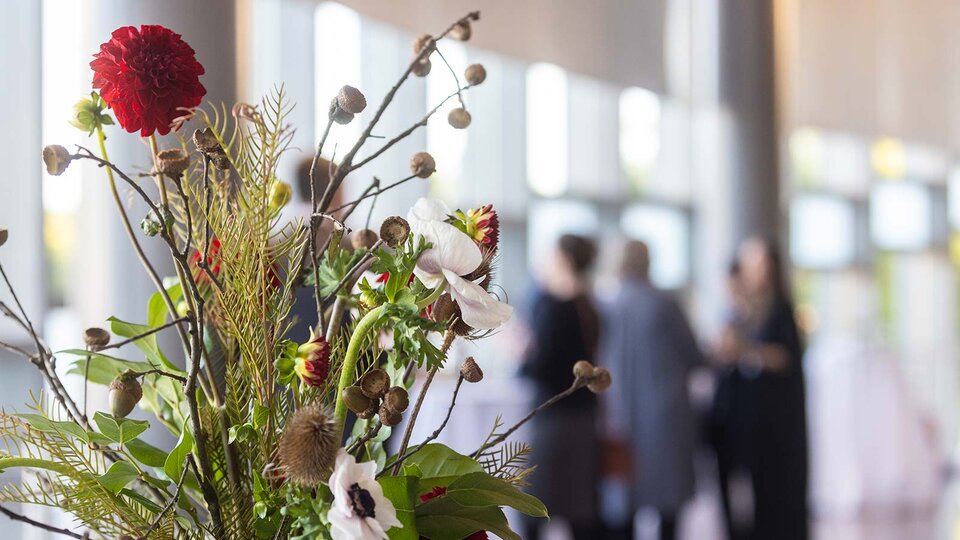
822	232
666	231
900	216
547	130
639	136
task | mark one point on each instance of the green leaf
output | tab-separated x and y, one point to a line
260	415
44	424
118	476
103	368
173	466
241	432
146	453
442	517
157	308
403	493
150	505
119	430
440	465
146	344
481	489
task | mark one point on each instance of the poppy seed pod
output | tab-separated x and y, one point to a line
470	371
351	100
125	393
422	165
354	399
172	162
363	239
422	68
205	140
96	338
462	31
375	383
424	41
308	446
459	118
370	411
394	231
600	381
389	417
397	399
56	158
583	369
4	235
475	74
337	114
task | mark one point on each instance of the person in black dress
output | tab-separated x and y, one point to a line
764	426
565	327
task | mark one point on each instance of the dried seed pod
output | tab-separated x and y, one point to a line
308	446
583	369
205	141
600	381
245	111
470	371
351	100
389	417
375	383
459	118
355	400
125	392
475	74
172	162
363	239
422	165
397	399
462	31
371	411
424	41
96	338
337	114
444	308
4	235
56	158
422	68
394	231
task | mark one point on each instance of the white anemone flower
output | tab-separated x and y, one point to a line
453	255
359	510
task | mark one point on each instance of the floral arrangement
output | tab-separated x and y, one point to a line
263	447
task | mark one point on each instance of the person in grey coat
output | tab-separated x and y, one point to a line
649	425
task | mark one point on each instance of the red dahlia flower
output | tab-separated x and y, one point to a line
482	225
146	76
213	262
313	361
440	491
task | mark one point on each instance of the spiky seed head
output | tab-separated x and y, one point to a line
308	446
172	162
354	399
422	68
583	369
422	165
459	118
124	394
475	74
600	381
471	371
389	417
363	239
462	31
394	231
397	399
374	383
351	100
96	338
56	158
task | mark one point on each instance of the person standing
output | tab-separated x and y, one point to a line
565	328
650	351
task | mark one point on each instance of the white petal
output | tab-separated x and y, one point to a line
427	210
477	307
452	250
344	527
383	507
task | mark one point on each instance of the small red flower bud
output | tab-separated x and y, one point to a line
313	361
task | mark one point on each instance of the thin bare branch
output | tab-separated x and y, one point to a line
50	528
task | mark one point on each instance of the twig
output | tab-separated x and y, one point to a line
17	350
370	193
453	72
371	433
148	333
50	528
314	204
173	500
179	378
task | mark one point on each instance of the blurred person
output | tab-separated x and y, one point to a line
766	429
565	328
651	428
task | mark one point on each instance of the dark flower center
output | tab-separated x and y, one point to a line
362	501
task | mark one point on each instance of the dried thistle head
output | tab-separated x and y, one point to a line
351	100
56	158
308	446
394	231
475	74
96	338
363	239
459	118
422	165
172	162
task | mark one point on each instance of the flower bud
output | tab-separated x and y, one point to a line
312	363
151	224
56	158
422	68
583	369
470	371
601	380
422	165
389	417
88	114
280	194
375	383
4	234
475	74
172	162
354	399
125	393
96	338
351	100
459	118
424	41
394	231
337	114
462	31
397	399
363	239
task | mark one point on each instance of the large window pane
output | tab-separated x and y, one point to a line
547	130
639	136
900	216
667	232
822	232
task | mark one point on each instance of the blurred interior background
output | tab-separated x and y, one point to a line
688	124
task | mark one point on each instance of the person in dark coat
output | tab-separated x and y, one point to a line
650	351
565	328
766	426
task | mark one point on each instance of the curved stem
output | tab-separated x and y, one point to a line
349	368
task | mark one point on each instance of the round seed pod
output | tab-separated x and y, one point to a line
337	114
124	394
475	74
459	118
422	165
96	338
4	235
351	100
355	400
462	31
205	140
371	411
424	41
397	399
601	380
363	239
172	162
422	68
583	369
470	371
394	231
308	446
375	383
56	158
389	417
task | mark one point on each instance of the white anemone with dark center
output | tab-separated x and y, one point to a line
360	511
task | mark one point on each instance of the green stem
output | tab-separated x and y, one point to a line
349	368
433	296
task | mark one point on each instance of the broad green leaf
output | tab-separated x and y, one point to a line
174	464
146	344
441	465
119	430
260	415
147	503
412	469
146	453
41	423
241	432
157	308
481	489
103	368
442	517
403	493
118	476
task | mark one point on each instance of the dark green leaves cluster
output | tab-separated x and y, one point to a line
410	340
